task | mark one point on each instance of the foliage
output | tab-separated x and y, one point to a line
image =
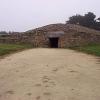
88	20
3	32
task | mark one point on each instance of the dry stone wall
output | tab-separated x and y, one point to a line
74	35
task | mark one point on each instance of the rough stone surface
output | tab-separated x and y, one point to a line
68	34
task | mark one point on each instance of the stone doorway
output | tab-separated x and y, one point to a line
53	42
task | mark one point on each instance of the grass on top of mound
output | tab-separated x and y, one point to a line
90	49
10	48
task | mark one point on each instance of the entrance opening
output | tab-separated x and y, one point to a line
53	42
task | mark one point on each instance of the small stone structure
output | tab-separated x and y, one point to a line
56	35
61	36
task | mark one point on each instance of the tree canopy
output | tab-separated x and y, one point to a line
87	20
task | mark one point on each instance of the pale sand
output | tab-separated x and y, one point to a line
49	74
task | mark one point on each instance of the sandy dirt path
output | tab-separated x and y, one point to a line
49	74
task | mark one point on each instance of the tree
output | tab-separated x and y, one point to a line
3	32
88	20
98	23
98	19
76	19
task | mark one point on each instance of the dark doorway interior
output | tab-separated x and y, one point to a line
53	42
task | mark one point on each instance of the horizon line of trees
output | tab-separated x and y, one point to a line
88	20
10	32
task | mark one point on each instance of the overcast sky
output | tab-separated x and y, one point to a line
23	15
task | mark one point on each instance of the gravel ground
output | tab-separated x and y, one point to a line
49	74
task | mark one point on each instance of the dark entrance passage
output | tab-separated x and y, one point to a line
53	42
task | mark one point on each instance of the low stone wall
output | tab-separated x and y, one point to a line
69	35
20	38
68	39
78	39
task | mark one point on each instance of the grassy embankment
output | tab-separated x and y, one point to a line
90	49
10	48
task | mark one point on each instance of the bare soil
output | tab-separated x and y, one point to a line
49	74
